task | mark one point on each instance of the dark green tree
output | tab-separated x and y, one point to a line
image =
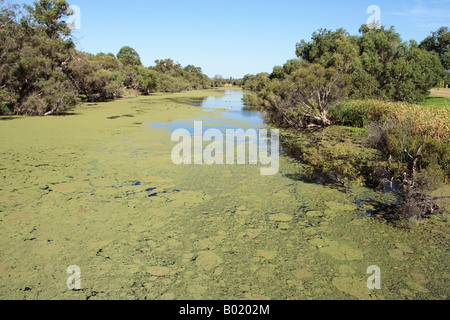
290	66
439	42
129	57
92	80
380	64
49	14
330	49
277	73
193	69
34	59
166	66
147	80
11	39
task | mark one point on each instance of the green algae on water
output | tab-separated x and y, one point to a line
102	193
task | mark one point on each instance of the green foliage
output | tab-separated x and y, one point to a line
418	161
277	73
175	78
173	84
252	100
147	80
48	15
256	83
413	142
376	64
384	79
93	78
358	113
302	98
439	42
129	57
167	66
34	59
219	81
7	102
381	66
194	76
398	140
290	66
330	49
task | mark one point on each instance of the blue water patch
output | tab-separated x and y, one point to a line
233	115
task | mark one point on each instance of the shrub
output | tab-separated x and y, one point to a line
417	159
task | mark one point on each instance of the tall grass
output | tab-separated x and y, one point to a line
432	120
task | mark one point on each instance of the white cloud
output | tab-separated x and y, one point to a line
425	10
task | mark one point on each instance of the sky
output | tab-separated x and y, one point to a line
233	38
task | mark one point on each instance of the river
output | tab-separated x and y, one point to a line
98	189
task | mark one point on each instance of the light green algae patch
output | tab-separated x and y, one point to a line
98	189
280	217
208	260
354	287
337	250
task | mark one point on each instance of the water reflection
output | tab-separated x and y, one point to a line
235	109
234	114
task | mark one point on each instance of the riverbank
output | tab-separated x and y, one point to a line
97	189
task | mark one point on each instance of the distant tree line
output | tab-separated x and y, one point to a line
41	72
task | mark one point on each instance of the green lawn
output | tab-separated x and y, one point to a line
438	101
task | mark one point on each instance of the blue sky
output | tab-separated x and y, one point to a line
236	37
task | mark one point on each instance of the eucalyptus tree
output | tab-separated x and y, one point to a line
35	55
439	42
129	57
380	64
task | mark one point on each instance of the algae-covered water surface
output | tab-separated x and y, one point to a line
98	189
